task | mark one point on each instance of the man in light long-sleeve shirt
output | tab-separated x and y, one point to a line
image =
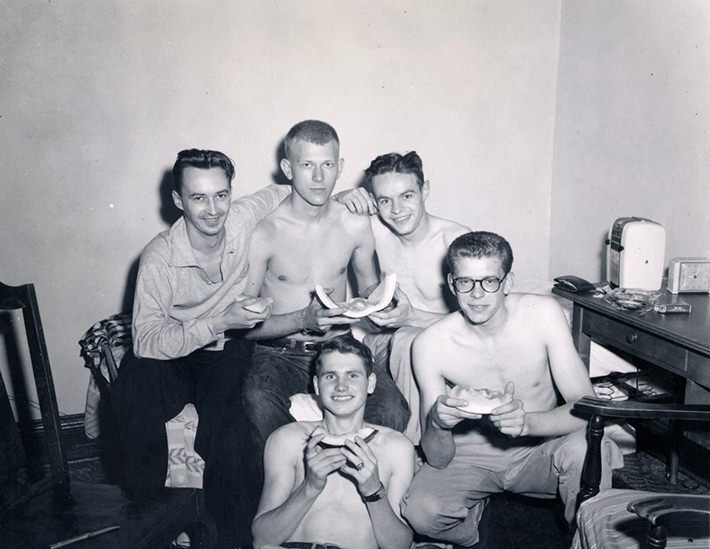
188	311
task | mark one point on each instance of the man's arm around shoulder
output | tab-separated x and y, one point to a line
252	208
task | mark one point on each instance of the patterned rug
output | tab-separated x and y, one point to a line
644	472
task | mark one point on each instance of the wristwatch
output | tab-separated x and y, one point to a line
376	496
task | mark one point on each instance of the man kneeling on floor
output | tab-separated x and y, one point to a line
336	483
489	375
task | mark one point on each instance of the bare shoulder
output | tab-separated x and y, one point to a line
542	306
439	330
351	221
448	229
290	439
538	302
391	443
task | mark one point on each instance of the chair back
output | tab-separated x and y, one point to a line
21	478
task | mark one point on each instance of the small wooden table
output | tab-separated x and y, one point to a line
678	343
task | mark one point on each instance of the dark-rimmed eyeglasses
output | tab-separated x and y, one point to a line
490	284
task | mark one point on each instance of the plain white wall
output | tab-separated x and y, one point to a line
632	134
96	99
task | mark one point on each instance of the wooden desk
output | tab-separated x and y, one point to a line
679	343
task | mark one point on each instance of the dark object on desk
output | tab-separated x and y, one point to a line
39	506
668	308
598	412
573	283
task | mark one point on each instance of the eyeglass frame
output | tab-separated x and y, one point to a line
480	282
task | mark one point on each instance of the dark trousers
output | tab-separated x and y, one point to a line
148	393
276	374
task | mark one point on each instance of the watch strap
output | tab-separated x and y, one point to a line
376	496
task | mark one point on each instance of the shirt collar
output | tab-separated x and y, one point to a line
183	254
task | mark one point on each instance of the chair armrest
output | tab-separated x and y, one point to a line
656	507
589	406
599	410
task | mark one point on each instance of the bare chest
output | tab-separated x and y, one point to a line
337	516
421	271
316	256
492	365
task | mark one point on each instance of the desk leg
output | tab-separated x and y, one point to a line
581	340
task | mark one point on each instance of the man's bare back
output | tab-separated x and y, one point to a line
419	264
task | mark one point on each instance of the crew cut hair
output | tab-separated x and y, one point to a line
345	344
480	244
310	131
395	163
202	159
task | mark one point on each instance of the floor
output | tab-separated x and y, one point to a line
510	521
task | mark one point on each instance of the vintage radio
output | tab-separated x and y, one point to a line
635	254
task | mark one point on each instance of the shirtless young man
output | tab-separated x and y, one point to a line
412	243
346	496
308	240
520	346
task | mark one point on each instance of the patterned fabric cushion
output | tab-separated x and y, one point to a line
185	466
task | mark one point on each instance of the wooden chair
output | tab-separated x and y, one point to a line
40	506
659	510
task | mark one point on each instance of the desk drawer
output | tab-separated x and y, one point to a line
636	342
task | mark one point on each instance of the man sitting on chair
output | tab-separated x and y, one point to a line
188	305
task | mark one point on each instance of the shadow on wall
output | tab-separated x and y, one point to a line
602	256
277	176
169	213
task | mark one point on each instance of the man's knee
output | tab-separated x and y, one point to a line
422	512
570	455
429	515
261	401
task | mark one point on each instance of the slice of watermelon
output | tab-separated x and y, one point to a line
358	307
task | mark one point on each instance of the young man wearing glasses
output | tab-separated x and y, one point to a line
518	345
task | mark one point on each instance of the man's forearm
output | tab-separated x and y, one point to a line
169	339
276	526
279	326
424	319
438	444
390	531
556	422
